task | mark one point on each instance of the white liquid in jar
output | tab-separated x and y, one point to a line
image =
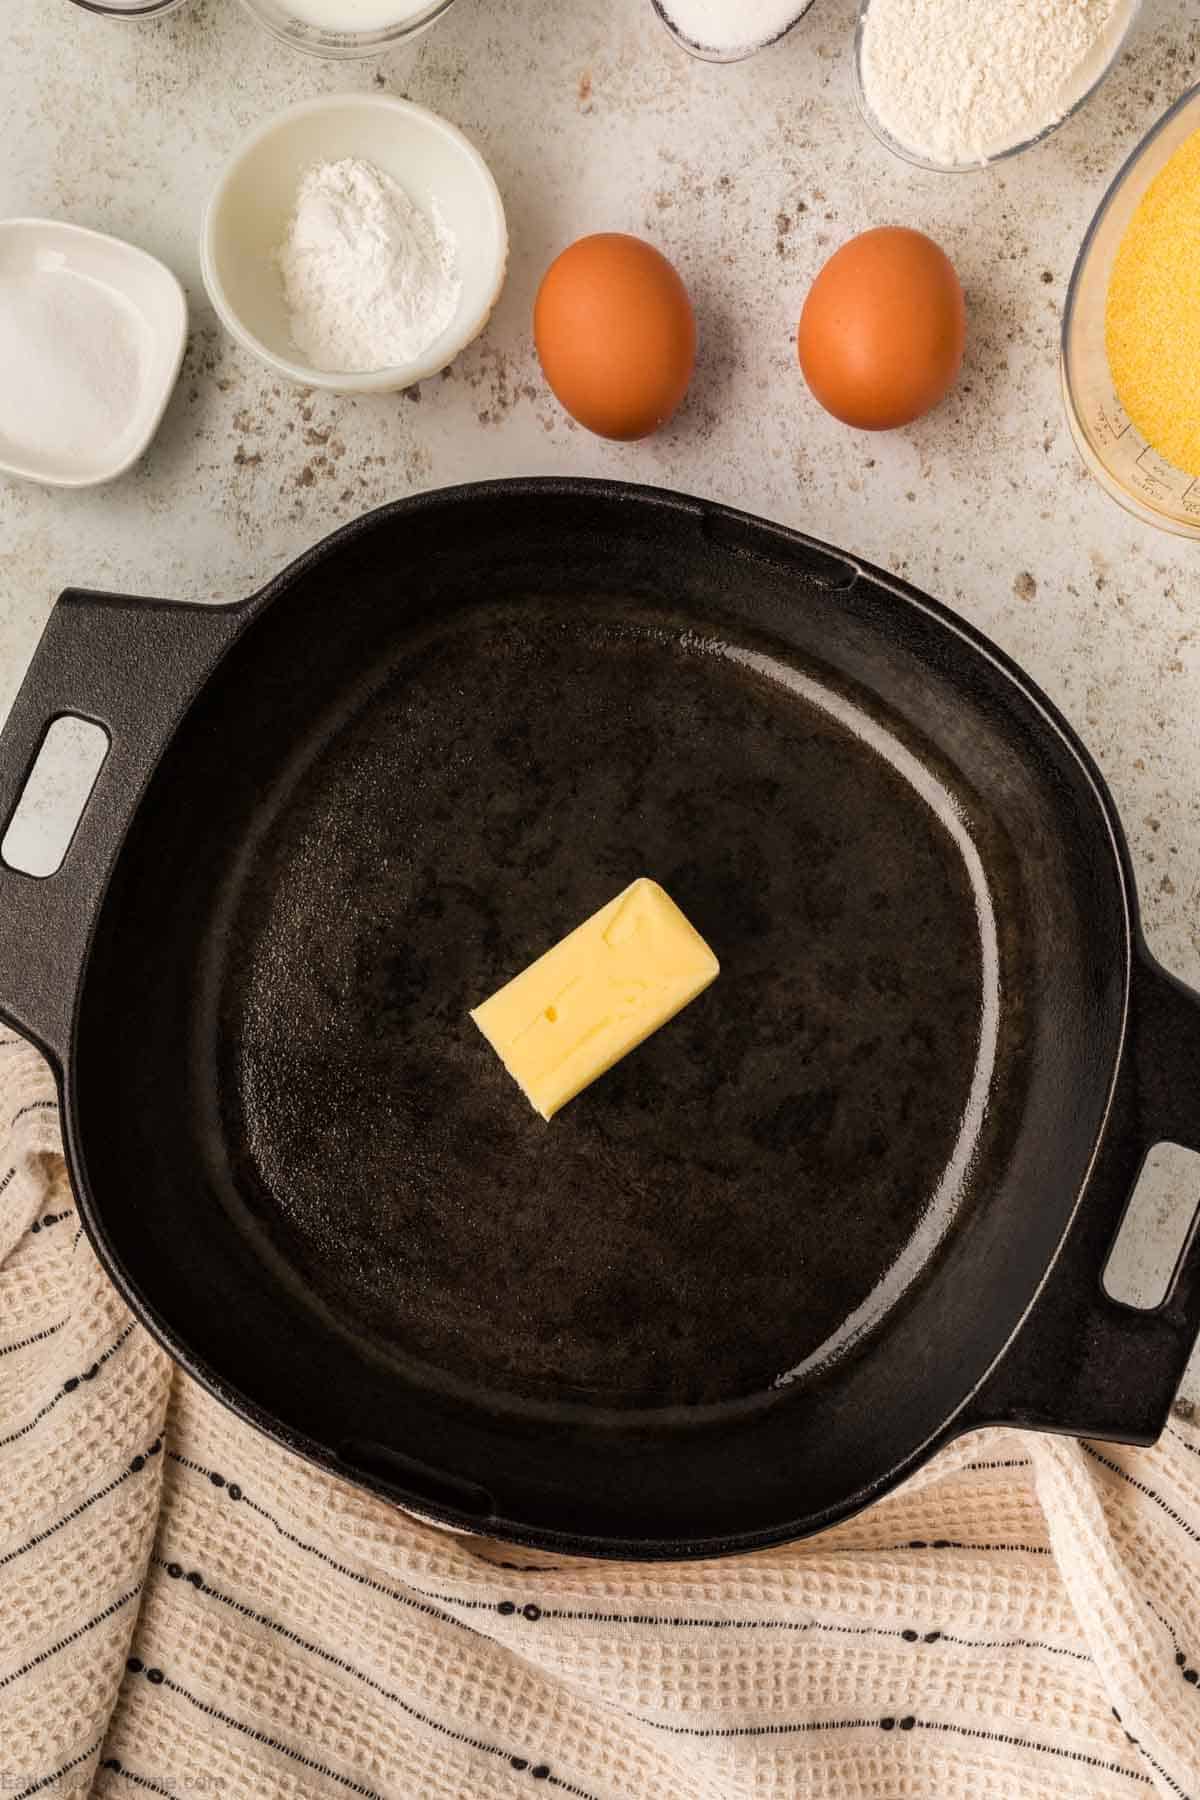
355	15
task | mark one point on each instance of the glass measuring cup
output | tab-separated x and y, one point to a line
1112	448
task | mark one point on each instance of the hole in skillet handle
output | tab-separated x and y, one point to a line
56	791
1154	1230
420	1483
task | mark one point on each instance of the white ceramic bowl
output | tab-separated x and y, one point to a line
284	21
48	250
248	215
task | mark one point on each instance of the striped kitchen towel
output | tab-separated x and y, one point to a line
187	1610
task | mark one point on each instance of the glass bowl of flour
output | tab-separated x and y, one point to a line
953	85
346	28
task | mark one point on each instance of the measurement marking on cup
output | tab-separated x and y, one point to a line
1154	477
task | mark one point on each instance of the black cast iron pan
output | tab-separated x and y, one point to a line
854	1200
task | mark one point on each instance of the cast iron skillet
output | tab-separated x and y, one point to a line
856	1199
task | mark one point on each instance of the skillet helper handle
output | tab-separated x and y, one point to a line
1082	1362
131	667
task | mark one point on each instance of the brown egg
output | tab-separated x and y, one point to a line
882	332
616	335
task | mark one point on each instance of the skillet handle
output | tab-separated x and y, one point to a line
131	667
1082	1362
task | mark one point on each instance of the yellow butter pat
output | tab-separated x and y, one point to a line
597	995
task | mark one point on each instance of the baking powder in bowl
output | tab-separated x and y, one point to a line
73	355
959	81
370	281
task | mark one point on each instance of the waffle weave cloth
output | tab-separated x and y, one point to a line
187	1609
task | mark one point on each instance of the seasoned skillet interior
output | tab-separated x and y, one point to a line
713	1212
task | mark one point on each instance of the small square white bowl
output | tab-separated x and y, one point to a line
33	246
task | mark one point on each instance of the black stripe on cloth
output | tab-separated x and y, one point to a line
49	1781
1180	1439
133	1468
1142	1751
43	1412
112	1765
962	1643
379	1587
1008	1462
73	1638
1190	1675
8	1043
1187	1673
142	1781
9	1349
841	1549
8	1177
337	1662
76	1238
909	1723
781	1729
33	1106
270	1743
62	1393
533	1614
1020	1743
941	1544
1159	1770
469	1604
1144	1488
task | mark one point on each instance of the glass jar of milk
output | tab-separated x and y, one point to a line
346	28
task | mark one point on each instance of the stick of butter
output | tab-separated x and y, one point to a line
596	996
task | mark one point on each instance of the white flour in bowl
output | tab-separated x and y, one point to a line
959	81
729	25
369	280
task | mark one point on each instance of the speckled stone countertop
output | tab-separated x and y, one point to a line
747	176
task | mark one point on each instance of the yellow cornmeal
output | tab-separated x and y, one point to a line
1152	320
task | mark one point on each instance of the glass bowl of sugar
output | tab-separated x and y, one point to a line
726	31
346	28
129	9
960	86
